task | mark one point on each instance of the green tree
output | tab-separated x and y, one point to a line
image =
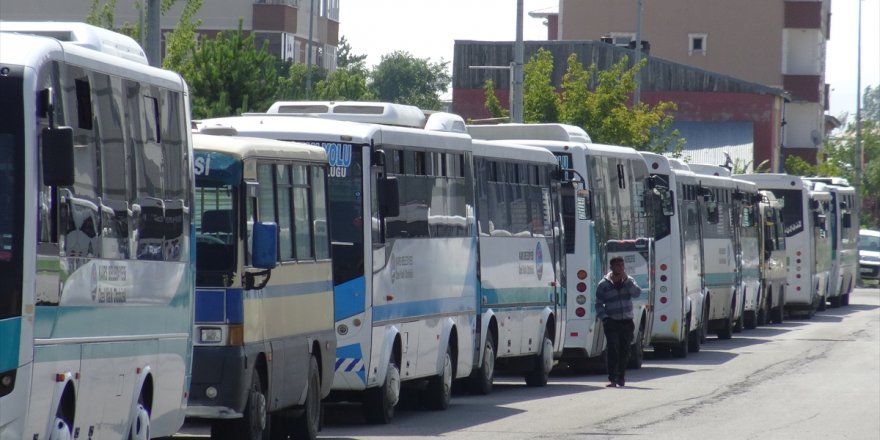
402	78
292	80
540	101
346	59
492	103
599	102
228	75
348	84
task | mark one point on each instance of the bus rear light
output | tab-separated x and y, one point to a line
798	288
798	276
580	312
236	335
662	289
60	377
798	253
574	334
582	287
581	299
663	300
663	278
582	274
663	318
663	266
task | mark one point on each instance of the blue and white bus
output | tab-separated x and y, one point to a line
844	238
723	297
521	262
264	339
96	245
616	178
404	245
678	302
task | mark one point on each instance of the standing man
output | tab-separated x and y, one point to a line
614	307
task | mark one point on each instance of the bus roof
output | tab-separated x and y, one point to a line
329	130
745	185
248	147
657	163
34	50
545	132
509	150
710	170
355	111
83	35
773	181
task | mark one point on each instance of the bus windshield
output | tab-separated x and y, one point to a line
792	210
218	178
11	194
346	201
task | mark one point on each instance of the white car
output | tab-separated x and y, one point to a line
869	254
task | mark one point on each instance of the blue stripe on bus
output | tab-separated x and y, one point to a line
10	337
285	290
210	305
428	307
517	295
349	358
719	279
219	306
349	298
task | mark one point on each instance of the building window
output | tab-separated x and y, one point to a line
697	44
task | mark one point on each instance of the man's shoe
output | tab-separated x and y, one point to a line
611	385
621	382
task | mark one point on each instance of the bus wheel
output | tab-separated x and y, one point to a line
777	313
844	299
439	390
637	355
680	349
698	334
140	425
543	364
379	402
253	424
60	429
482	378
307	425
726	331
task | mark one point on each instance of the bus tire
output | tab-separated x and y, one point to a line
439	391
254	423
482	378
844	299
379	402
637	353
680	349
140	425
543	364
778	313
726	331
307	424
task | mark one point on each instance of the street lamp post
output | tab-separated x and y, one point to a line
858	150
638	90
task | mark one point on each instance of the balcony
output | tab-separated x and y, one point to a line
803	15
275	15
803	88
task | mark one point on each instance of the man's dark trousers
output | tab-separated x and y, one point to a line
618	337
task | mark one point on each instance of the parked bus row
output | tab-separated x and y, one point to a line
250	268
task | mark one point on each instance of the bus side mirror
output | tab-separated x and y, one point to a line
389	197
265	245
667	204
583	207
56	151
847	220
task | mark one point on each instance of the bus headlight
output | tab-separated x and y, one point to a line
210	335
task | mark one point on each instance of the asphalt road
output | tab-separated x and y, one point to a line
802	379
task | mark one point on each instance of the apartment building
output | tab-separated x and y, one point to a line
285	24
776	43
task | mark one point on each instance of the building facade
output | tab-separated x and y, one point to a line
285	24
777	43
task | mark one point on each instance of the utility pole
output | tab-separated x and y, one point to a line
309	51
858	153
638	91
516	69
153	42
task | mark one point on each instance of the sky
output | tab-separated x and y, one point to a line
428	29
